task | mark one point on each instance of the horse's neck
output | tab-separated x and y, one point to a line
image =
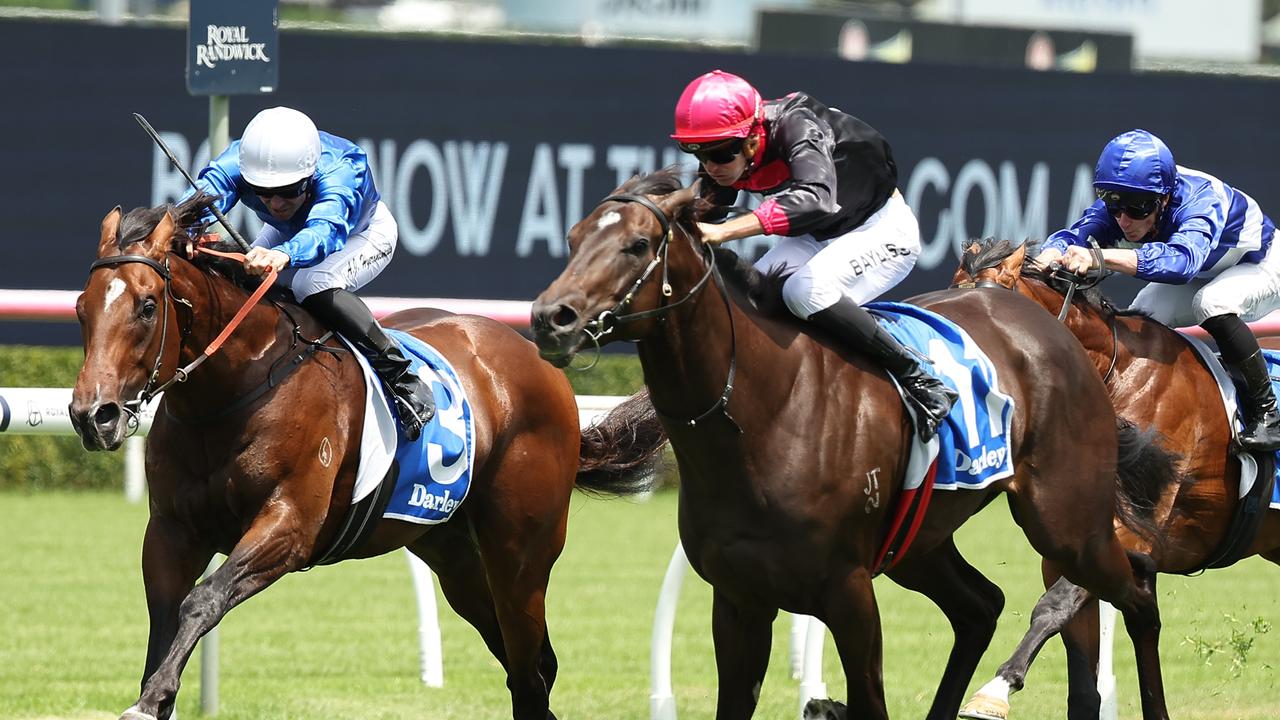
686	360
215	302
1113	341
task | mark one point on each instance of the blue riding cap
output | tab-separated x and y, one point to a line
1136	161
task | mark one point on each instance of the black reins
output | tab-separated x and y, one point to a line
609	320
1073	282
150	390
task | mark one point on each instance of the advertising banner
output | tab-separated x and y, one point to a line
488	153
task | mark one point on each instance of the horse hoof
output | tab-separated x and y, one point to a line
985	707
134	713
826	709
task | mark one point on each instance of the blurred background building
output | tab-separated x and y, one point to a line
494	125
1068	35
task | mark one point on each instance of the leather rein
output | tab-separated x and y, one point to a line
1073	282
153	387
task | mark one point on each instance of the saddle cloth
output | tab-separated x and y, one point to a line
435	470
972	444
1227	392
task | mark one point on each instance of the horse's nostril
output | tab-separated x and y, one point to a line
106	414
564	316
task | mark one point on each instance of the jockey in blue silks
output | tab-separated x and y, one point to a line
324	217
1207	248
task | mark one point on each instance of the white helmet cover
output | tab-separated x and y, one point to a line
280	147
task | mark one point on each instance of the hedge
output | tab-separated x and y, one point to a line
31	463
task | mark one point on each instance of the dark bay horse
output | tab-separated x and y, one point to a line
1156	380
267	479
791	450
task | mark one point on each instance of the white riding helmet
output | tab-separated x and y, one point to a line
280	147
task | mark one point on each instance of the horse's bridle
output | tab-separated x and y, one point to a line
1073	282
609	320
150	389
1090	280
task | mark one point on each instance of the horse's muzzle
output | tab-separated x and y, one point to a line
557	331
101	426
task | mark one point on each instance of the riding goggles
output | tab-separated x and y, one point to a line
1136	205
719	153
288	192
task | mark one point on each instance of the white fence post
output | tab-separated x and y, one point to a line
135	468
662	704
429	646
1106	673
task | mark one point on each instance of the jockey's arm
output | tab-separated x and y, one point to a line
1080	260
740	227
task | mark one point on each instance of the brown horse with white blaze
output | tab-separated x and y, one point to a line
254	453
791	450
1158	381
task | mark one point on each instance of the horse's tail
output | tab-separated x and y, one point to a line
620	453
1143	474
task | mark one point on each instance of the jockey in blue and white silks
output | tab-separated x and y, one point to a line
325	219
1208	250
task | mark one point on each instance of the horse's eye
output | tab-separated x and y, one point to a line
148	310
639	247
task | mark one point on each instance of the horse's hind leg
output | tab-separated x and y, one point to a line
520	523
451	552
972	604
1052	612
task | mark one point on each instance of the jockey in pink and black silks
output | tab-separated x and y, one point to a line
1208	251
830	187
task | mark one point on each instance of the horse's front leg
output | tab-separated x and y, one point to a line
742	635
850	612
172	560
279	541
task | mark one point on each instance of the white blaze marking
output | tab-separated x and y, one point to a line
114	290
610	218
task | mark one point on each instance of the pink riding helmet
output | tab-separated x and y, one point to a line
717	106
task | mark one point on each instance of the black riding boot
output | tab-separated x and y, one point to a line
854	325
342	311
1240	348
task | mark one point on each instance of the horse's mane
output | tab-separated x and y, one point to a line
991	252
189	222
763	290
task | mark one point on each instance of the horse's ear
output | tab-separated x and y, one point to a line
110	226
1013	263
160	239
672	202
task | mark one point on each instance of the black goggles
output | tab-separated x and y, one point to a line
719	153
288	192
1136	205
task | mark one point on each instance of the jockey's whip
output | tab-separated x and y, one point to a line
169	154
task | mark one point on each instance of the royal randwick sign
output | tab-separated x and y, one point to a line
231	47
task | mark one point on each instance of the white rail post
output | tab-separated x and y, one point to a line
209	673
811	684
429	647
662	704
799	630
135	468
1106	674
